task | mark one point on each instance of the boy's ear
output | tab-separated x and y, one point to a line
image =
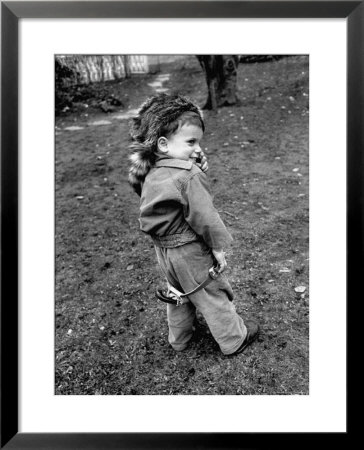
162	144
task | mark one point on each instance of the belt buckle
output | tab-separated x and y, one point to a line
213	273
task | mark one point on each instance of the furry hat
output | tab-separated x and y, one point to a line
154	120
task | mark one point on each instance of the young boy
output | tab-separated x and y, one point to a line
176	210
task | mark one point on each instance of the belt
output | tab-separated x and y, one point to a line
175	240
175	297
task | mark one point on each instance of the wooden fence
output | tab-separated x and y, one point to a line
92	68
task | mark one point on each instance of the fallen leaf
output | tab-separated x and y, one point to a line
285	270
300	289
130	267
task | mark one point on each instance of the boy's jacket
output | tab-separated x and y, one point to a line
176	206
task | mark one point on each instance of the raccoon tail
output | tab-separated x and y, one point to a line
142	160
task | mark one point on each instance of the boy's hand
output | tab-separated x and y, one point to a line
220	258
203	164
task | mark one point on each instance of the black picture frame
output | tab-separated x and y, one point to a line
11	12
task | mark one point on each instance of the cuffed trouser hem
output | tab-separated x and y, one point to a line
179	348
179	337
230	352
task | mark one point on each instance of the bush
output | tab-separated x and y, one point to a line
64	76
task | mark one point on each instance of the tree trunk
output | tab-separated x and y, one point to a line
221	77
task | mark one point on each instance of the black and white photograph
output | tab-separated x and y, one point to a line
182	224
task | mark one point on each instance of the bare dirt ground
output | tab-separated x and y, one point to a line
111	332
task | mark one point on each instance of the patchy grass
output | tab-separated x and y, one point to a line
111	333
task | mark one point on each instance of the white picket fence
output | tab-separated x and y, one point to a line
93	68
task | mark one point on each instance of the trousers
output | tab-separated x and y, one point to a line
185	267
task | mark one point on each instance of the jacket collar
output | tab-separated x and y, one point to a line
172	162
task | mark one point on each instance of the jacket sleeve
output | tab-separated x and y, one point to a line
201	215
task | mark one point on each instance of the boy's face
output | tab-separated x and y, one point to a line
183	143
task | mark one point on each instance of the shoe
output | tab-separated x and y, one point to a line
252	333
